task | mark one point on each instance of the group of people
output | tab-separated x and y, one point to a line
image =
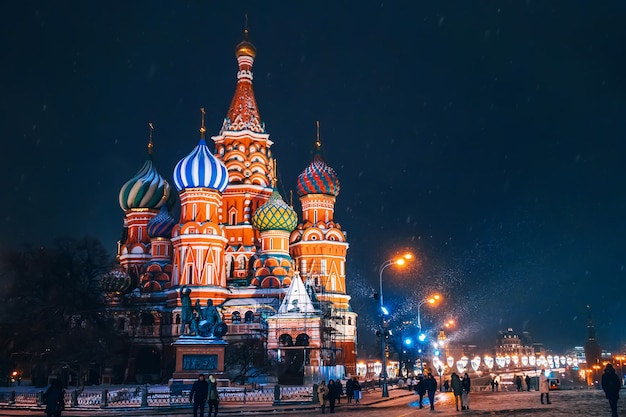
461	389
519	382
332	392
203	391
425	386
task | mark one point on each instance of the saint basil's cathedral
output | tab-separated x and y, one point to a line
278	282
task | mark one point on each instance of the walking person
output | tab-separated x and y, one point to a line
527	380
340	388
611	385
198	395
457	389
431	388
357	390
322	393
54	398
349	390
544	386
333	394
467	387
214	396
421	388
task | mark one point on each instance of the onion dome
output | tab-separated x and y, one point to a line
318	178
275	214
245	48
162	224
147	189
115	281
201	169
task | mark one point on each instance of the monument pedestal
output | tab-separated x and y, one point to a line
198	355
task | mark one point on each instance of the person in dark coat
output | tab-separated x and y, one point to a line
54	399
333	394
356	386
527	380
611	385
467	387
349	390
457	389
214	396
198	395
421	388
431	388
340	388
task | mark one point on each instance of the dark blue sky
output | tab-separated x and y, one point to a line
486	136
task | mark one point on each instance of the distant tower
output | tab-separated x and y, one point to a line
199	240
141	197
244	147
593	351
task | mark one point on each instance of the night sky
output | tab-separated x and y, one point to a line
485	136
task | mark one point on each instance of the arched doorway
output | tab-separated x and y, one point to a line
292	370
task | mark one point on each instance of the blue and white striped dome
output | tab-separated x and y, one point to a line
200	169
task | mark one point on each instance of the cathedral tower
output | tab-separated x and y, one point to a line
244	147
199	240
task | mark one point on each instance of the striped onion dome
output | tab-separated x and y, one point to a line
115	281
200	169
147	189
275	214
318	178
162	224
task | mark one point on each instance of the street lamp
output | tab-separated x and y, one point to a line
430	300
398	261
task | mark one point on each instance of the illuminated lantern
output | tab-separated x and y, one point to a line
488	361
475	363
532	360
460	367
507	360
525	360
563	360
569	361
550	363
515	359
436	362
450	361
464	361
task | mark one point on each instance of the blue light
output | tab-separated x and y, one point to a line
422	337
408	341
384	310
436	353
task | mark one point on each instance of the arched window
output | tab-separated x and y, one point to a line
285	340
248	317
349	321
302	340
236	317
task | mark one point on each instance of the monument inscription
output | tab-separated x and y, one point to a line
199	362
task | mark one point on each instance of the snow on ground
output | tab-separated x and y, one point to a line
579	403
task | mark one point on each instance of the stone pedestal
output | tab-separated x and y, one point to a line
198	355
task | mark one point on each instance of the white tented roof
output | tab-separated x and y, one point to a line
296	300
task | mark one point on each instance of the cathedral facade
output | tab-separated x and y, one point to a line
277	279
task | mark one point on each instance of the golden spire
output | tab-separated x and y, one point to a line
318	142
202	128
245	47
150	144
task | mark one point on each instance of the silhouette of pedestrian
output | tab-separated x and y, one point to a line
611	385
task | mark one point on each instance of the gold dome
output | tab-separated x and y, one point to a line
245	48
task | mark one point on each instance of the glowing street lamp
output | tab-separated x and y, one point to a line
397	261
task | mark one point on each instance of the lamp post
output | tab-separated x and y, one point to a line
399	261
430	300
